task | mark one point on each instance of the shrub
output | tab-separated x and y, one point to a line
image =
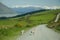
18	25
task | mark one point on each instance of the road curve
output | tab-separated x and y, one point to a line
41	32
57	18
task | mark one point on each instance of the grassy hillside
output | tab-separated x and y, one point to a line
54	25
12	26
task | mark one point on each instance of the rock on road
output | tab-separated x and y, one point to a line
41	32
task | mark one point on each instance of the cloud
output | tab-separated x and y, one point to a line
56	7
23	6
51	7
45	7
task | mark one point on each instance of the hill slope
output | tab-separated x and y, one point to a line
55	25
5	11
13	26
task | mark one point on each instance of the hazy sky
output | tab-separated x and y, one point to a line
11	3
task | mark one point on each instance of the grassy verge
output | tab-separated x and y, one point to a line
55	26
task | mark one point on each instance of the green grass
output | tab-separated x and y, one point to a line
54	25
12	27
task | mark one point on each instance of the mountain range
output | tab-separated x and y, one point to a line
9	12
26	9
30	8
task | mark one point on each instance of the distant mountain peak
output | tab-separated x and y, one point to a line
0	3
4	10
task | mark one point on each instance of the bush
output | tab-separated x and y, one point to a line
28	25
57	28
18	25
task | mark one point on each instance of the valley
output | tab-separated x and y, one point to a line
11	26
